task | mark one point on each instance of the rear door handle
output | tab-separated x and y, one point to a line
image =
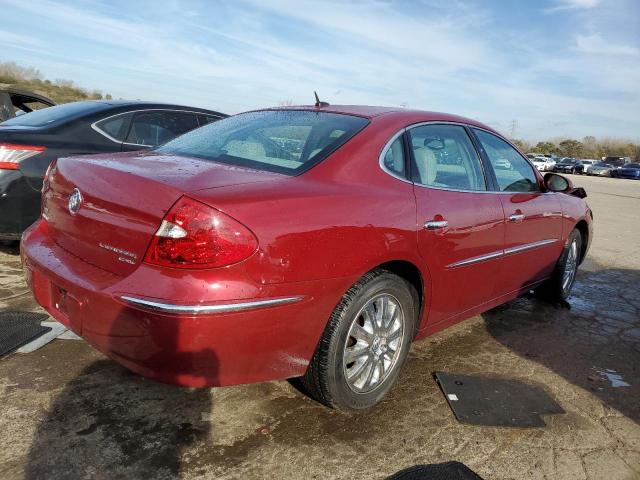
516	217
436	224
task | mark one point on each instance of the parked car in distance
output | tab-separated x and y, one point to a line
230	255
630	170
568	165
502	163
586	164
616	161
30	142
600	169
15	102
543	164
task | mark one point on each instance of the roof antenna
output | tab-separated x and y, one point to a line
318	102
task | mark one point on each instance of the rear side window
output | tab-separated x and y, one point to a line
115	127
159	126
445	158
513	172
394	158
206	119
283	141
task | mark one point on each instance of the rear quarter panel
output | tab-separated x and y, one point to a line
340	219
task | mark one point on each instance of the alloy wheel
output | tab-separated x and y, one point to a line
373	344
570	267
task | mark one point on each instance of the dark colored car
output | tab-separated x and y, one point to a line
305	241
15	102
616	161
630	170
568	165
28	144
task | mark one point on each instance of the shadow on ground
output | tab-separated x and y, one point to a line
10	247
109	423
598	335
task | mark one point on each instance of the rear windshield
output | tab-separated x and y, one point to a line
54	115
282	141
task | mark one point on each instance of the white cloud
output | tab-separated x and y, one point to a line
595	44
443	56
573	5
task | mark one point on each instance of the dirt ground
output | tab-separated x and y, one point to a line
68	412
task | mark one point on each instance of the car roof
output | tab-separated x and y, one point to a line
150	105
399	113
27	93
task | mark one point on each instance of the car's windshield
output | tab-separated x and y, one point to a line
282	141
632	165
601	164
54	115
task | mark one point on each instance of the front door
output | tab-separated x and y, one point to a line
533	228
463	235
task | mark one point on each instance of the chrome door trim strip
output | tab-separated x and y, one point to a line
207	309
477	259
502	253
529	246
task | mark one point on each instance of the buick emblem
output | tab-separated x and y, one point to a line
75	201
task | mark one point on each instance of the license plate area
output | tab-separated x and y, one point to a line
68	308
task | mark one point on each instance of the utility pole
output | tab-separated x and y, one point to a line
514	127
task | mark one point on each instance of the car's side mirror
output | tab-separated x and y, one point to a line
557	183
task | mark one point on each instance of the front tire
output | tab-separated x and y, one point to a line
365	343
558	287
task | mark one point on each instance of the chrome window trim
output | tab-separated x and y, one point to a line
95	127
385	149
444	122
205	309
503	253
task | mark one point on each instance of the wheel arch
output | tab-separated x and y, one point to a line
412	274
583	228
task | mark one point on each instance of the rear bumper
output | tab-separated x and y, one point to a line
19	204
245	332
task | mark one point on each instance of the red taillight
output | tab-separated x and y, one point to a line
195	235
12	155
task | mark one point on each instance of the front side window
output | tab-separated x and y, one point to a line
513	172
156	127
283	141
445	158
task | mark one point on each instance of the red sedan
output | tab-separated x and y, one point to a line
313	242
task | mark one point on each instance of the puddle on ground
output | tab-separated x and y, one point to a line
614	378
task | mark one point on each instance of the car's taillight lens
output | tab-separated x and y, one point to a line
195	235
12	155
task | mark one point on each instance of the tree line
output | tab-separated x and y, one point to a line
59	90
589	147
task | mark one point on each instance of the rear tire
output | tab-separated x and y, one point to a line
365	343
558	287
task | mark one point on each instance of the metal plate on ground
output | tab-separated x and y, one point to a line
19	328
439	471
496	402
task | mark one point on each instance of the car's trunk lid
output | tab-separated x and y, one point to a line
124	199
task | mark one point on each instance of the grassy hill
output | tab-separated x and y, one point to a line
60	91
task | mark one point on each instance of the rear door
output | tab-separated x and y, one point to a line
463	234
533	218
154	127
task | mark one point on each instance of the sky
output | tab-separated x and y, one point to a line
535	69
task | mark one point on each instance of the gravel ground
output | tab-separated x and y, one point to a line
69	412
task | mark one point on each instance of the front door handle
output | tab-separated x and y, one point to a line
436	224
516	217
